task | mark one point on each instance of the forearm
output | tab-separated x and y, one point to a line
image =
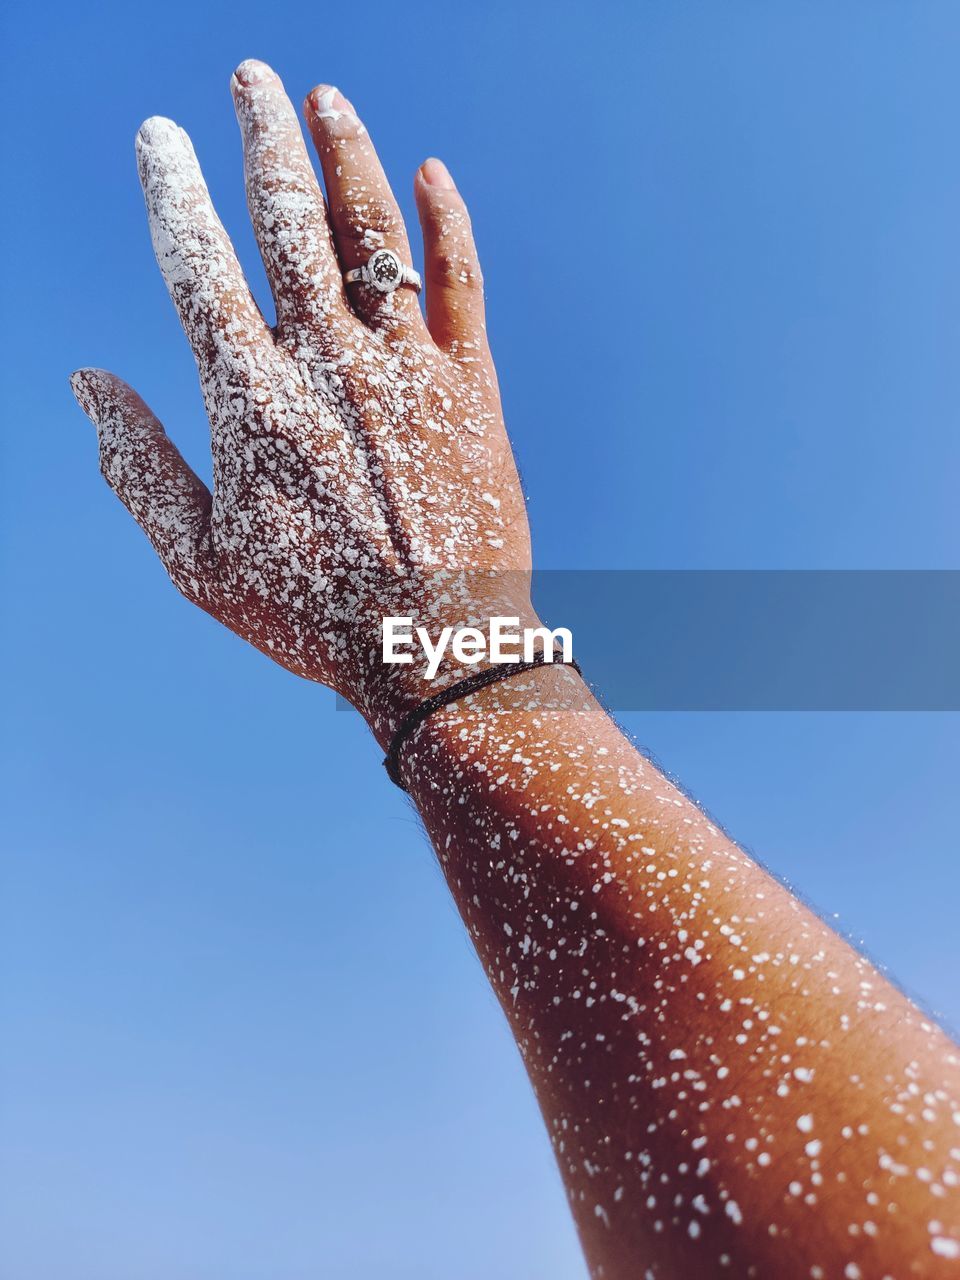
719	1071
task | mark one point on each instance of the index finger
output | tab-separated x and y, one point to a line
194	253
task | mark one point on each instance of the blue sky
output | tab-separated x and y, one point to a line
244	1034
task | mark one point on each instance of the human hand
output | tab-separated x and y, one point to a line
358	452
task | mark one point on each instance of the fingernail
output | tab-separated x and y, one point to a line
436	174
327	103
157	130
251	72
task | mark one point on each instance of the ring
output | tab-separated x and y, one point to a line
384	272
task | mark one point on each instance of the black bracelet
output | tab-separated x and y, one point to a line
453	692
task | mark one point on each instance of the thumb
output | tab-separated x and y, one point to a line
146	471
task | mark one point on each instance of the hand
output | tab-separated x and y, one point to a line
357	450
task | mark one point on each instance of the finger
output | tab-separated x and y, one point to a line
147	472
454	284
363	212
286	205
195	255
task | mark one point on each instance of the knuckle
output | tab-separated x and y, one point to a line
280	202
357	219
452	270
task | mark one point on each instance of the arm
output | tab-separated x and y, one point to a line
729	1087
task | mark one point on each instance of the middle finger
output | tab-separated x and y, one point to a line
286	206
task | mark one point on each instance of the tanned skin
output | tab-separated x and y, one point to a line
730	1089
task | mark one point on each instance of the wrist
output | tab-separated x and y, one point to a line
496	735
412	661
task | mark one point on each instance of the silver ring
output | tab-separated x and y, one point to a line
384	272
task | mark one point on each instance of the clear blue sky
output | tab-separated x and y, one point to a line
244	1036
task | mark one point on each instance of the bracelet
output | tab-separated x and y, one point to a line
453	692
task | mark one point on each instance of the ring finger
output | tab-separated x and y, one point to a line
363	212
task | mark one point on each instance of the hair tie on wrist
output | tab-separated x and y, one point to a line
452	693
